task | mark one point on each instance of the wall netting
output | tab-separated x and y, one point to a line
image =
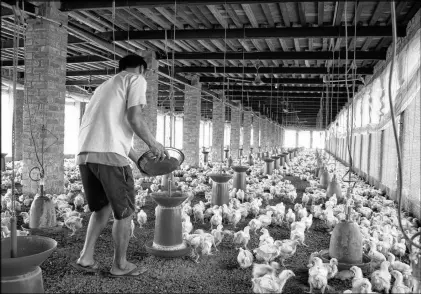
389	162
411	150
357	152
364	153
374	159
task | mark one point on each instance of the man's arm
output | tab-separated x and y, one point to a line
141	129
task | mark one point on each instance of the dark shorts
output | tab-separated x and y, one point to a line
105	184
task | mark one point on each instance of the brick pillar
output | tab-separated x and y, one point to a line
247	130
311	139
235	131
45	89
150	111
19	124
191	126
218	123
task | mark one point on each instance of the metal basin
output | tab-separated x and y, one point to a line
220	178
239	168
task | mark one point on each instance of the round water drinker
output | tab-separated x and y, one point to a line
147	164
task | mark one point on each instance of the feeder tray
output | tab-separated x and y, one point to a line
268	159
240	168
220	178
147	164
168	241
32	252
324	255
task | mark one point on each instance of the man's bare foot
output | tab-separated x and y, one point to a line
129	268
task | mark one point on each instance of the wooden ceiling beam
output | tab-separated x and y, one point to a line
254	33
326	55
302	13
268	88
320	13
268	70
69	5
285	14
312	81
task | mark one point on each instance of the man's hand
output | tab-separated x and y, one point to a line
159	151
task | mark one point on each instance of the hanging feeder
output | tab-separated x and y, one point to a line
220	188
276	161
22	274
205	155
334	188
168	237
240	152
230	161
268	168
324	179
226	150
239	180
250	161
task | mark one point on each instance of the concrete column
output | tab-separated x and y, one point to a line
296	138
235	131
247	125
218	123
311	139
45	89
191	126
150	111
256	131
19	102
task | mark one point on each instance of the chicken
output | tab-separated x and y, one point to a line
216	219
398	286
404	268
25	217
266	252
5	232
240	195
380	279
259	270
299	236
194	241
187	226
245	258
142	218
302	213
308	221
78	201
198	215
399	248
265	238
218	235
73	223
270	283
255	224
242	237
357	279
266	219
376	257
317	275
290	216
286	250
305	199
235	217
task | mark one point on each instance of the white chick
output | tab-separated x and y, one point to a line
235	217
216	219
25	217
242	237
255	224
73	223
78	201
240	195
244	258
86	208
290	216
142	218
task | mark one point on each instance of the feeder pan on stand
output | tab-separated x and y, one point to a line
324	179
334	188
259	155
226	153
268	169
22	274
251	161
239	181
205	156
286	157
282	159
229	161
220	188
346	246
276	161
240	152
168	238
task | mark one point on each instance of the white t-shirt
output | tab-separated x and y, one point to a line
105	127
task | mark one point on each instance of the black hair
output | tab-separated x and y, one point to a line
131	61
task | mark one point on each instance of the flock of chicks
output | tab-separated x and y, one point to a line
375	215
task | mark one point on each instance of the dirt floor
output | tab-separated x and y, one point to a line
219	273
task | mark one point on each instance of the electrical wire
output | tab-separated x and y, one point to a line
398	149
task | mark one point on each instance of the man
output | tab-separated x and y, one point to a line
112	116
